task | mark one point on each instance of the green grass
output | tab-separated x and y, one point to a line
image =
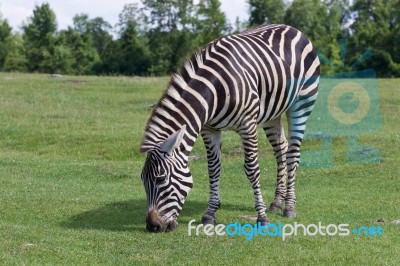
70	188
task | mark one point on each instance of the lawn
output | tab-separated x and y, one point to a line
71	192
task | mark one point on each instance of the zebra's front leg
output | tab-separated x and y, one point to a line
248	133
212	141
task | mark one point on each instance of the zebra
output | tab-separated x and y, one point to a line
234	83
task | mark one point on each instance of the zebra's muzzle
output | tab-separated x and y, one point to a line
155	223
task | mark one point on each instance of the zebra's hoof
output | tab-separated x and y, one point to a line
275	208
289	213
208	219
263	220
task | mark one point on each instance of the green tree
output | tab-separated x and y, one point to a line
134	55
129	54
266	11
5	37
39	39
211	22
132	12
61	60
377	27
322	25
169	15
97	31
15	59
170	33
394	41
79	54
11	49
95	42
101	35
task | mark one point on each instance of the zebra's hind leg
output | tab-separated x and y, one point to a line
295	135
297	116
212	141
276	137
248	133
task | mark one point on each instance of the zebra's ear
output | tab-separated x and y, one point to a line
173	141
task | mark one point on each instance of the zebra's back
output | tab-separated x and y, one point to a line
259	72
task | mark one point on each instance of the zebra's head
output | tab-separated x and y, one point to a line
167	181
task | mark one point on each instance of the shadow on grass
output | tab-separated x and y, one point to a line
131	215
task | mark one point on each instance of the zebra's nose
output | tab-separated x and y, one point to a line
153	222
153	228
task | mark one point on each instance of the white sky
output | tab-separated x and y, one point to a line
17	11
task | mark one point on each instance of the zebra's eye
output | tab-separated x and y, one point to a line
161	178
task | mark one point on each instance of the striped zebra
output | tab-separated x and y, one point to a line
234	82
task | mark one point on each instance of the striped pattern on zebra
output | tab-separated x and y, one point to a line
234	82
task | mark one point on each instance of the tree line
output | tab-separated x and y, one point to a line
154	37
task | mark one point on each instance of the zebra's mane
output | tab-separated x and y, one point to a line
154	135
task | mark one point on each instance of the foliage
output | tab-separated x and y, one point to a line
154	37
80	54
319	22
377	27
131	49
211	22
170	21
40	41
15	59
5	36
266	11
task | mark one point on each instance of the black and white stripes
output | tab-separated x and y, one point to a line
235	82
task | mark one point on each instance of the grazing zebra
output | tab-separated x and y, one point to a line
234	82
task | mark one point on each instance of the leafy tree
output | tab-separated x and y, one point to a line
168	15
101	35
211	21
170	33
11	49
129	54
15	59
321	24
62	60
79	54
95	42
132	12
394	41
39	39
5	35
156	36
134	56
266	11
306	15
342	7
377	27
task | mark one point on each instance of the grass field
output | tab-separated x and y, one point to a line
71	192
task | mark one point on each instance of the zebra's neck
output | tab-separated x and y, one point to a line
185	102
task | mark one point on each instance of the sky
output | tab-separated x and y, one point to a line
18	11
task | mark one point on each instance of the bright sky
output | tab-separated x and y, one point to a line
17	11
